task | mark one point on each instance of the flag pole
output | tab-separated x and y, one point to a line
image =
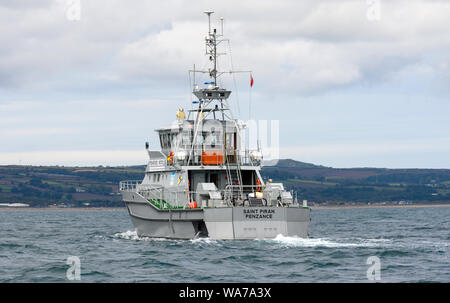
250	101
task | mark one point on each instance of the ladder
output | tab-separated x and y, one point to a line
234	174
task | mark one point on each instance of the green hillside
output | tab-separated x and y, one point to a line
69	186
361	185
98	186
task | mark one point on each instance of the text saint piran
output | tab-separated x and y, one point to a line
258	213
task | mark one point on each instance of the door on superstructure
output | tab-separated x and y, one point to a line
213	178
230	147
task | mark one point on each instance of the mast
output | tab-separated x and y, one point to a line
211	48
213	92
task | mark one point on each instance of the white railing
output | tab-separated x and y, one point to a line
165	198
129	185
196	156
176	198
235	191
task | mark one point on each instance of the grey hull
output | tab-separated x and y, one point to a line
152	222
217	223
164	229
257	222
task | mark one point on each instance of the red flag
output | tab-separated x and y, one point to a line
251	80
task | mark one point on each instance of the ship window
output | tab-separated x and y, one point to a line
170	140
200	139
175	140
186	140
166	141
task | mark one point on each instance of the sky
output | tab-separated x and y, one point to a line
356	83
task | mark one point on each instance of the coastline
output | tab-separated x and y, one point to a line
62	208
327	207
378	206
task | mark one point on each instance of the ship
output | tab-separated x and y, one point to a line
204	181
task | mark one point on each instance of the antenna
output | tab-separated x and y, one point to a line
221	25
194	78
209	20
211	48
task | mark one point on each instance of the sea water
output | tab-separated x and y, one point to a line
345	245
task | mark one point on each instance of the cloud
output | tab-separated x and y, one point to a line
164	54
312	46
104	78
76	158
4	135
395	154
25	4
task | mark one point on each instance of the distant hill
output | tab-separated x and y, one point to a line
98	186
289	163
361	185
68	186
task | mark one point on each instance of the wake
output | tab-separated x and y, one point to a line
326	242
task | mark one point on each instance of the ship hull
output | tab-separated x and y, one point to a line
222	223
257	222
164	228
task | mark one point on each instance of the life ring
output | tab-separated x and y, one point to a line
258	185
193	204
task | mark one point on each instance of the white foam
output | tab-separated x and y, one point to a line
204	240
132	235
128	235
279	239
324	242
